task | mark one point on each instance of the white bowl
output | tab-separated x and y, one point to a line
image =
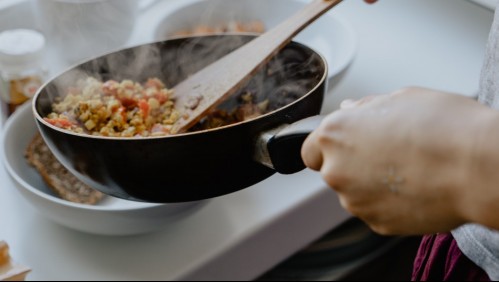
111	216
330	35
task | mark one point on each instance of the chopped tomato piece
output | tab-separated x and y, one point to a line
154	83
161	97
59	122
128	103
144	107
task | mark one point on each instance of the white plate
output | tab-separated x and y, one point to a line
330	35
112	216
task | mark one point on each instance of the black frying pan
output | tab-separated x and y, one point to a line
197	165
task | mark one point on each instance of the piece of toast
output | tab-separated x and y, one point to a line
10	271
57	177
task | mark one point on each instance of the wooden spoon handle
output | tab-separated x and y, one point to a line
206	89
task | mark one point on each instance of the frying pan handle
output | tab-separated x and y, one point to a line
281	147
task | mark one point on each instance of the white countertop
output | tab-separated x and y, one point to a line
429	43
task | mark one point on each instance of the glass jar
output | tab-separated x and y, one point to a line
21	69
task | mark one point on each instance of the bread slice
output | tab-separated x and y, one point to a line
57	177
10	271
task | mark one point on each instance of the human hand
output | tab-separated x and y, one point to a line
401	162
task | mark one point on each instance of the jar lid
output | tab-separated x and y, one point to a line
20	46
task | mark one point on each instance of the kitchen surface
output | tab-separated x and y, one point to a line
244	235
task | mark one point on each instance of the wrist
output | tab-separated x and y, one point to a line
480	194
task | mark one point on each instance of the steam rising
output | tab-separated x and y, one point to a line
79	29
289	76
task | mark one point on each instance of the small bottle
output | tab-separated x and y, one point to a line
21	70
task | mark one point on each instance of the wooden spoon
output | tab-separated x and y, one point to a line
200	93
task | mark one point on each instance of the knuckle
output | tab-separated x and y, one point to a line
335	179
334	175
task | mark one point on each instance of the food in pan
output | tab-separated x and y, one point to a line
248	108
58	178
116	109
229	27
131	109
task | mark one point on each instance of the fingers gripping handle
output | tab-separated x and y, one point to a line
281	148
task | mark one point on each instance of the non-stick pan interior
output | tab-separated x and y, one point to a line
291	74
